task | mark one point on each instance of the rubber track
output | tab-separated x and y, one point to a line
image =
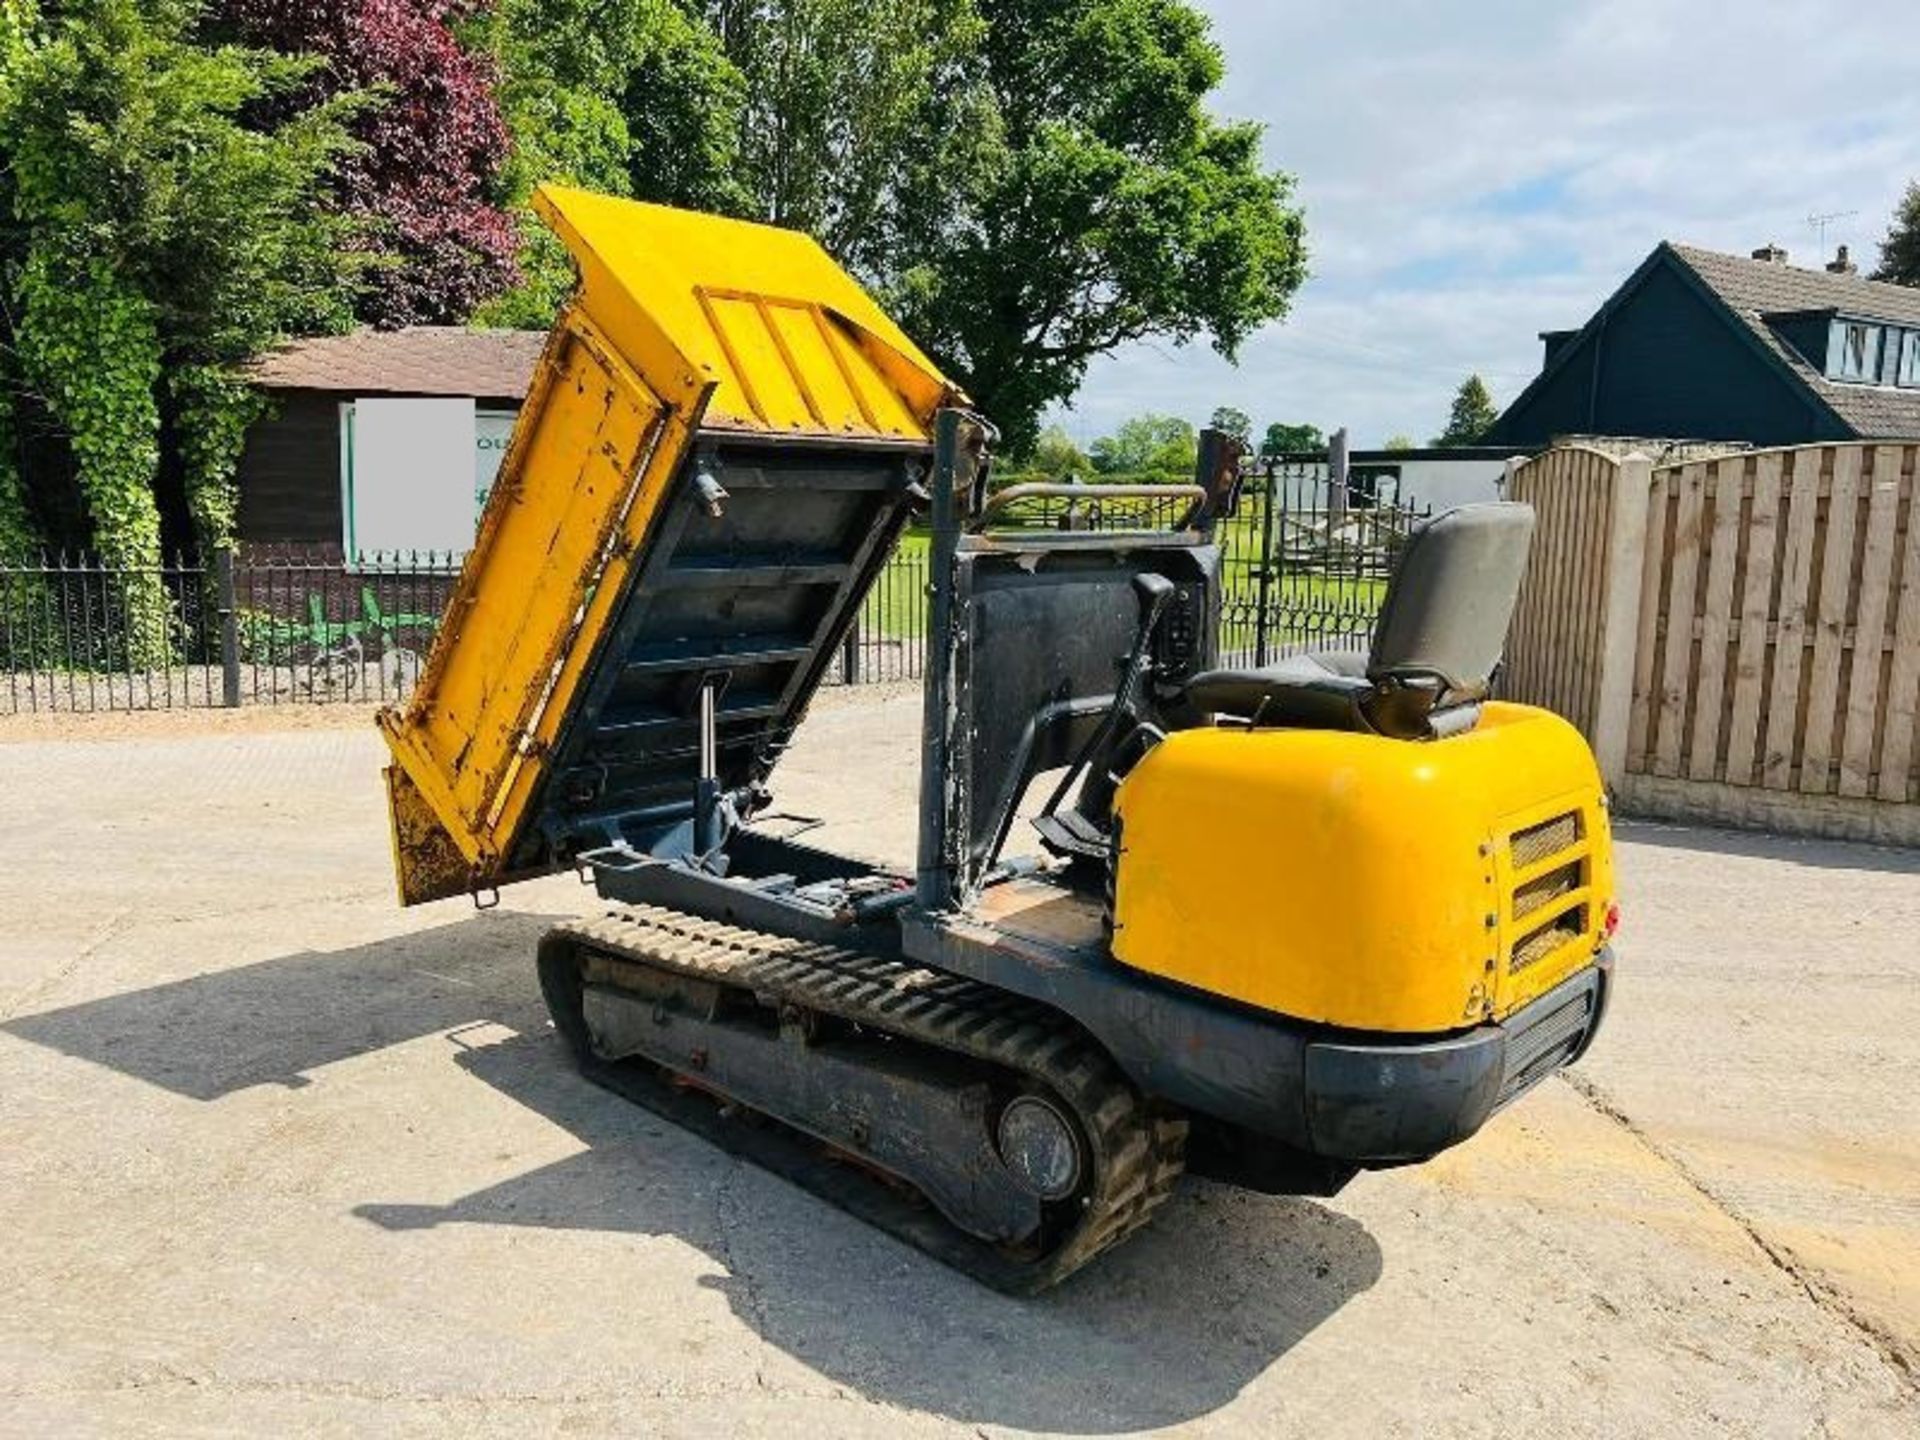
1137	1147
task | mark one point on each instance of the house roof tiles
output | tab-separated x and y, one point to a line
1754	289
420	360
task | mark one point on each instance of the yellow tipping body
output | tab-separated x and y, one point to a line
1363	882
788	341
683	324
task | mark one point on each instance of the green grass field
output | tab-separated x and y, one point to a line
1301	605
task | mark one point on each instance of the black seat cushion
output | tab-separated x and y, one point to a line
1321	691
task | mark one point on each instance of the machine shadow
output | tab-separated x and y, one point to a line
272	1022
1168	1328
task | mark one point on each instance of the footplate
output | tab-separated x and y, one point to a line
908	1073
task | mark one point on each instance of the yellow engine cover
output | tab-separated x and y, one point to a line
1368	883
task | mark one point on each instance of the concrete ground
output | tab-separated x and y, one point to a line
277	1157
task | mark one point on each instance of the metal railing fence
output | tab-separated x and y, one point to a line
259	626
1304	565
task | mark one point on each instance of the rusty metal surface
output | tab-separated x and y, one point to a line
427	864
718	450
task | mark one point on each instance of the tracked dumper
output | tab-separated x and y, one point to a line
1282	925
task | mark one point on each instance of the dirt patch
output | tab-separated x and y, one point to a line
163	724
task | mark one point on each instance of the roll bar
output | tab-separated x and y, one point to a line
1058	490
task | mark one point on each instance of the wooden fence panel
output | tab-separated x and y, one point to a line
1553	648
1724	481
1661	502
1836	563
1863	707
1787	632
1782	717
1900	752
1679	660
1588	574
1554	537
1774	649
1750	669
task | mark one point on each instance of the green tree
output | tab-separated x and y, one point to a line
161	233
1236	423
1900	251
1147	444
421	182
1100	202
1028	183
847	103
1055	456
1399	442
19	535
1282	439
23	597
622	96
1472	416
683	101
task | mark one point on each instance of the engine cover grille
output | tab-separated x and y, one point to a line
1550	837
1547	904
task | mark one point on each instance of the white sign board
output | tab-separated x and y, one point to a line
492	429
409	476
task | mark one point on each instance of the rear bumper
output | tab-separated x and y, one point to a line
1382	1101
1269	1088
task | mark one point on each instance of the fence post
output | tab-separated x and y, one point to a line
1626	559
1339	476
1263	596
229	628
850	654
1512	468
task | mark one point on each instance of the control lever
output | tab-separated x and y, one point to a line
1152	592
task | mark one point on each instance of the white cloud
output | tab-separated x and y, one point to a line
1474	174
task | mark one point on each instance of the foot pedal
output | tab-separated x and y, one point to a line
1068	832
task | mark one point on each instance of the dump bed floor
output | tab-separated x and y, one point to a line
755	600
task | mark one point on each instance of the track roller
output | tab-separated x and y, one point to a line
983	1128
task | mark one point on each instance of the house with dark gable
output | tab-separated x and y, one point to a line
1697	345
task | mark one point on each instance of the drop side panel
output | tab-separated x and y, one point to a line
578	490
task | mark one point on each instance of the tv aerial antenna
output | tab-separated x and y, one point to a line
1819	223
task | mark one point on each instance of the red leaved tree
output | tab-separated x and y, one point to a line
434	142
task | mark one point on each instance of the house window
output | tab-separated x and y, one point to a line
1909	360
1856	351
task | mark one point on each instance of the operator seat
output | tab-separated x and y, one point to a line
1441	632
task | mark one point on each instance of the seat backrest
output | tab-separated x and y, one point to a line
1452	597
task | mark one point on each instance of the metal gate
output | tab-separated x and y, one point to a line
1304	566
1305	563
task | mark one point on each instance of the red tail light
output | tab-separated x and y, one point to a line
1611	921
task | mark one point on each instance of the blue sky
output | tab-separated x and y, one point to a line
1474	174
